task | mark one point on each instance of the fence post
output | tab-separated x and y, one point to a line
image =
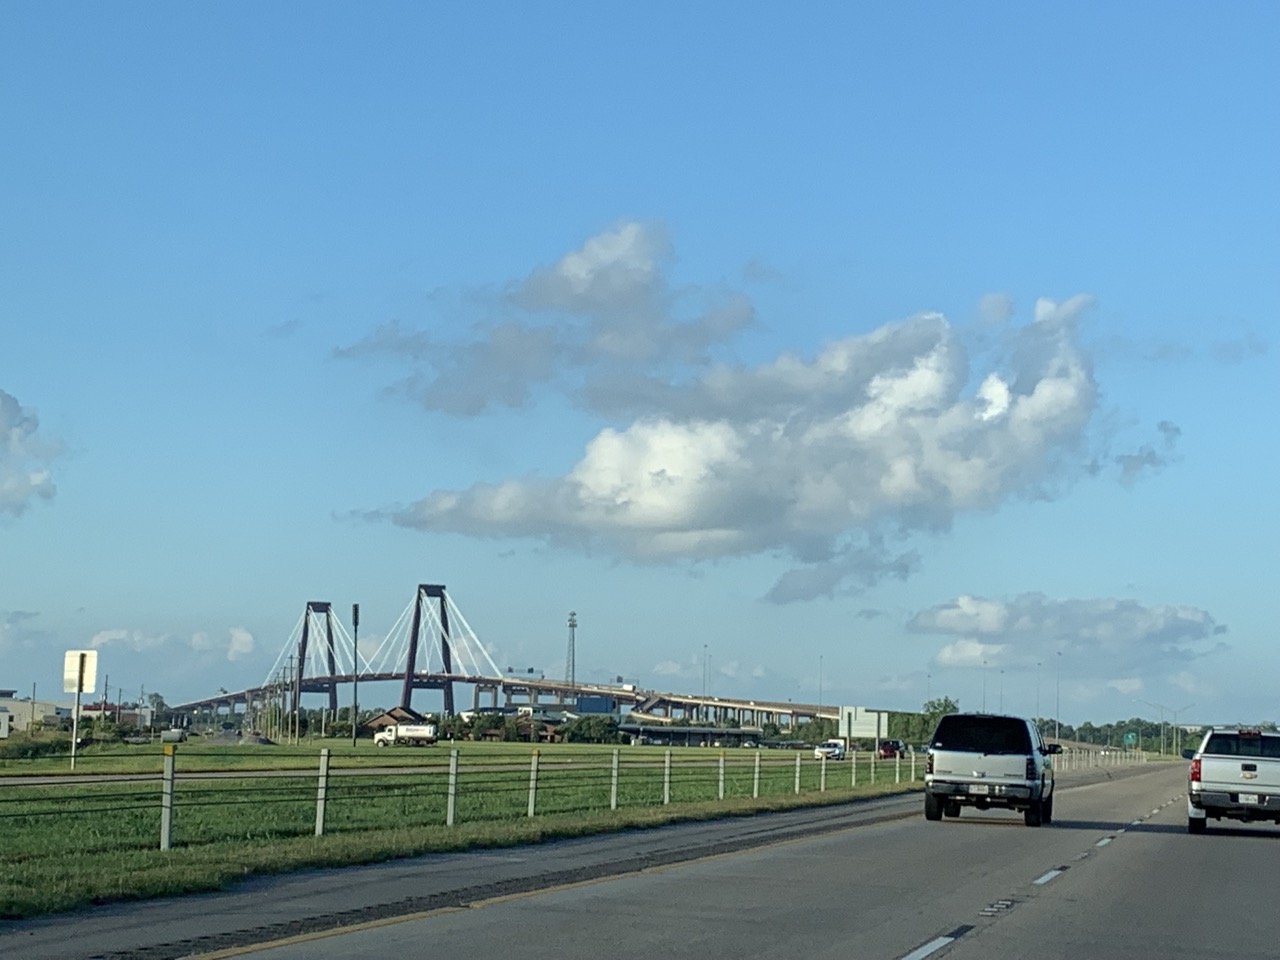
755	780
897	768
166	796
452	804
613	785
873	767
822	776
721	774
853	777
797	772
322	790
913	766
666	780
533	780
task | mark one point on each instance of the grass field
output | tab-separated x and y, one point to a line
65	845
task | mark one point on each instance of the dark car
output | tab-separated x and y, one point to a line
890	749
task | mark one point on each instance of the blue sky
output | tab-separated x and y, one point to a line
852	353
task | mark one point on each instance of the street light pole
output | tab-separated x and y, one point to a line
1057	709
1177	730
355	668
1162	708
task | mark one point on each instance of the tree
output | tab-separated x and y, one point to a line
591	729
937	708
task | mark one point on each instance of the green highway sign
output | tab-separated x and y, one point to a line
1130	739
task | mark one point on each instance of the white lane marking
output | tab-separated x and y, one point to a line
1103	842
1120	831
1041	881
937	943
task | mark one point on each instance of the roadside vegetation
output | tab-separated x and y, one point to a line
67	845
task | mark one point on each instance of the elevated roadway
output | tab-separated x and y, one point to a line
514	691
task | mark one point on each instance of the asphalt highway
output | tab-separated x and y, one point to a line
1116	875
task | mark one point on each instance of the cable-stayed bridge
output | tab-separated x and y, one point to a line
431	646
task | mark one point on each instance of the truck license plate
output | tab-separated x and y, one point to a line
981	788
1248	798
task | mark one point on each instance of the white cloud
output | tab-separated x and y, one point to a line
995	308
134	640
241	643
238	645
24	458
668	668
1087	638
810	458
585	324
836	461
970	653
1126	685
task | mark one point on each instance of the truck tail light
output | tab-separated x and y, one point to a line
928	762
1195	770
1031	769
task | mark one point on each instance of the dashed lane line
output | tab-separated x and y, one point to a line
1045	878
937	943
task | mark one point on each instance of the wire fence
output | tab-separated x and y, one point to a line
185	803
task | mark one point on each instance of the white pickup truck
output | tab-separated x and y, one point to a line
413	734
1235	774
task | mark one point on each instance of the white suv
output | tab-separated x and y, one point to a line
987	760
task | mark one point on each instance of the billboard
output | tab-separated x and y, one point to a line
862	723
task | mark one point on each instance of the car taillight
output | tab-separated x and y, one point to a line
928	762
1031	769
1195	770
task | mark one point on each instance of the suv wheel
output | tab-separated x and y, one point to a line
932	807
1033	816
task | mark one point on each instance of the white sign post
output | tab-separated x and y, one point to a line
79	675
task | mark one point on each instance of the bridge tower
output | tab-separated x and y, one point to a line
320	608
426	593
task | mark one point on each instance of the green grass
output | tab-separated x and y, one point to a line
67	845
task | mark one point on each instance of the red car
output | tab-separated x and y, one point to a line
890	749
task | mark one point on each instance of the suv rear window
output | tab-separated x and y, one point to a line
982	734
1235	745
